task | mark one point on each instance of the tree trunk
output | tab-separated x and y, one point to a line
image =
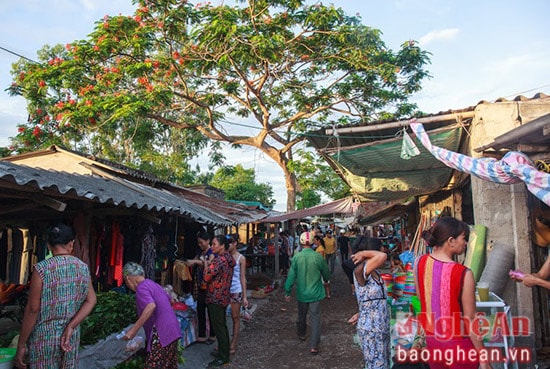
290	182
290	178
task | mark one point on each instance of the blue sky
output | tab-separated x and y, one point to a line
481	50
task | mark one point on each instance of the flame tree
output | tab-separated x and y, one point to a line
260	73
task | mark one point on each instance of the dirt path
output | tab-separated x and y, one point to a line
270	341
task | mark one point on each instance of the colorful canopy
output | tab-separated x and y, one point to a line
514	167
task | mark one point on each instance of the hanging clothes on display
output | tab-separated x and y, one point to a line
40	243
116	259
148	253
81	247
3	253
9	235
14	256
34	256
99	242
25	257
181	273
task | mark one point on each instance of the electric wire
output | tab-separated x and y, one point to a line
18	55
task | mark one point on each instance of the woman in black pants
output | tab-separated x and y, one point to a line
199	288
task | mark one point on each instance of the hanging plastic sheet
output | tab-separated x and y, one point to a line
514	167
408	148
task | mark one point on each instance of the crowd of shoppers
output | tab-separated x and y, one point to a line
444	287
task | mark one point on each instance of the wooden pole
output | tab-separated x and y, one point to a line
401	123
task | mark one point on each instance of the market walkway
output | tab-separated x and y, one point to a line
270	341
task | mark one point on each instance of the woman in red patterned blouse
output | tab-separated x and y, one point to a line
218	273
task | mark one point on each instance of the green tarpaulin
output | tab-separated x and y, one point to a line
375	171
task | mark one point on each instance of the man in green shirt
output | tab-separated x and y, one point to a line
306	270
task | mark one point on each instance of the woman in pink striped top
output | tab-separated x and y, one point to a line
446	290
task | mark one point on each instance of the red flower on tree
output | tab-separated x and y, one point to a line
36	132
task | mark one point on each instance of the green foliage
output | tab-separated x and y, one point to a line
315	177
240	184
282	66
136	361
307	198
112	313
4	152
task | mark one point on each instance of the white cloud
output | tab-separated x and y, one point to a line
445	35
514	63
89	4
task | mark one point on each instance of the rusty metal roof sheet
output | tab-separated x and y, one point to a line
119	169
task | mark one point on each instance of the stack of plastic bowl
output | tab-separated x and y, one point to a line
388	281
399	284
410	288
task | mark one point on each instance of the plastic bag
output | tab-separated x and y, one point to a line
121	334
134	344
246	315
408	147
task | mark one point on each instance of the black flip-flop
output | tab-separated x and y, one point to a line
314	351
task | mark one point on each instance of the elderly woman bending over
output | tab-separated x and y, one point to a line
156	316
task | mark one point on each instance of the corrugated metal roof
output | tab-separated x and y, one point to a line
118	192
237	213
118	168
341	206
213	210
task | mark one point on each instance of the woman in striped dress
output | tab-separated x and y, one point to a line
446	290
61	295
